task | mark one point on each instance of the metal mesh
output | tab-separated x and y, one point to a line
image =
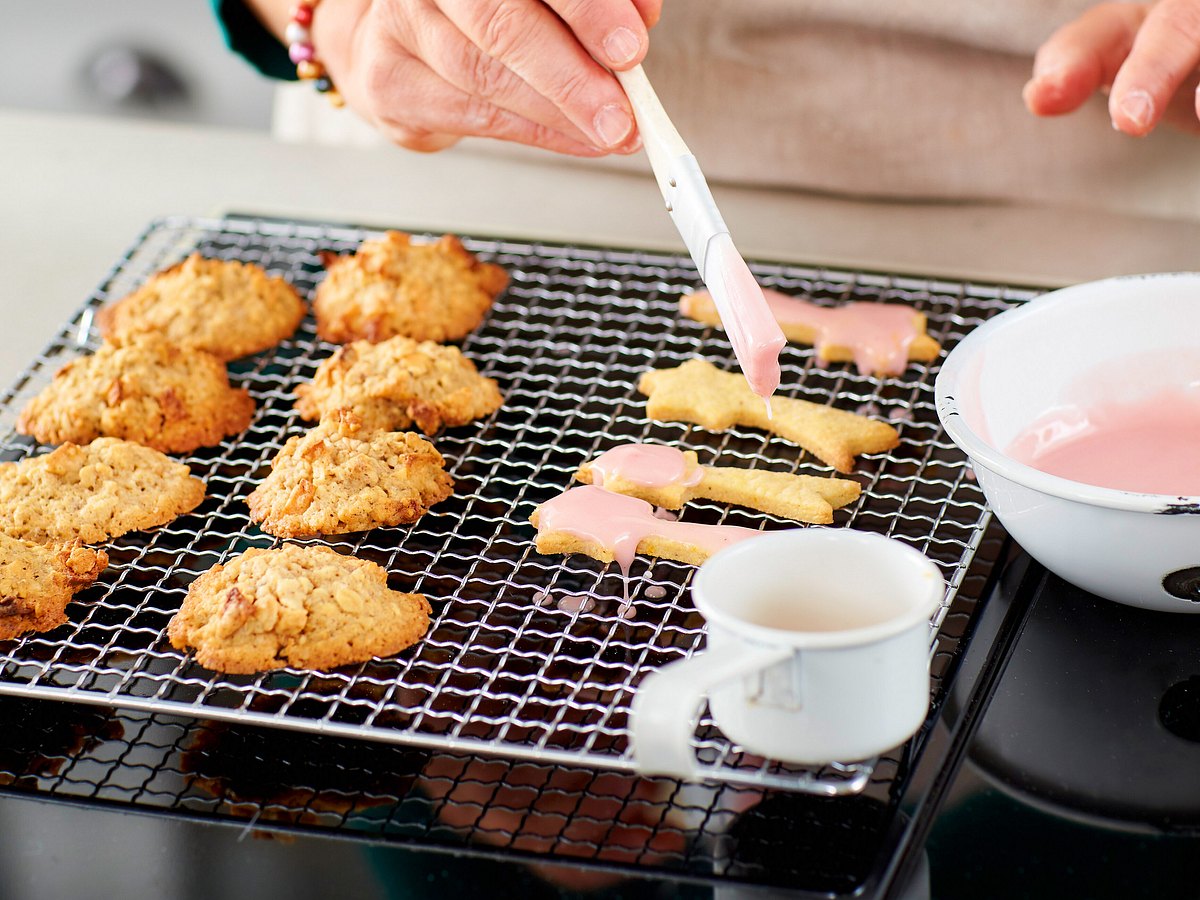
527	656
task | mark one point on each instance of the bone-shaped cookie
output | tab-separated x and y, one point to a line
668	477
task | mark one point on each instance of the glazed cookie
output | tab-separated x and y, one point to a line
95	492
37	583
880	338
608	526
398	383
700	393
668	477
304	607
148	390
390	286
225	307
335	479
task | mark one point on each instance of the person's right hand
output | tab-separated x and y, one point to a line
429	72
1144	55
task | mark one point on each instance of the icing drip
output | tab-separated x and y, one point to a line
647	465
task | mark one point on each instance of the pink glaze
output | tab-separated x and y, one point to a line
619	523
878	334
647	465
1150	446
752	330
575	603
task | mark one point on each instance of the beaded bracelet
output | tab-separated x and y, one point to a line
301	52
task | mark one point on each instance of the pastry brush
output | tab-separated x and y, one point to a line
752	329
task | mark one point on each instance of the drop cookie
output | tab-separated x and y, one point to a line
37	582
391	286
94	492
147	390
398	383
335	479
224	307
297	606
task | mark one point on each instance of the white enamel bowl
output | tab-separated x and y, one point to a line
1115	339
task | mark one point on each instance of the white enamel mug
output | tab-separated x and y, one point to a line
818	651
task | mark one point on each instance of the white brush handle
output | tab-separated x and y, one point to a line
689	201
659	137
752	330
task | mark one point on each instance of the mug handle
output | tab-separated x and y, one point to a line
662	716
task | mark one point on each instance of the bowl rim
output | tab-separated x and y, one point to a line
980	451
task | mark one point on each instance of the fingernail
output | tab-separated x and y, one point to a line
621	45
1138	108
612	125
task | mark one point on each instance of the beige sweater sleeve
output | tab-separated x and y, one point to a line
901	99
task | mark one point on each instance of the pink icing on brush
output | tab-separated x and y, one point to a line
647	465
619	523
752	330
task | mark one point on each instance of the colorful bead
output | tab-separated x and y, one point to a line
297	34
301	52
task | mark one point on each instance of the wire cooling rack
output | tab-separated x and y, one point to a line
528	656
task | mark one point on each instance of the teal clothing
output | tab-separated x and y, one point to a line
247	37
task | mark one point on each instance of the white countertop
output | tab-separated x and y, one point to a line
78	191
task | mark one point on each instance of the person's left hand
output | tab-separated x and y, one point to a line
1145	55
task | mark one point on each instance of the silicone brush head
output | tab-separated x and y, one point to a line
755	335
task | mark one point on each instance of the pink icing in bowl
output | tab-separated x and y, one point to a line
1110	344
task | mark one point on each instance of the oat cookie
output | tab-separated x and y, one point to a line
336	479
37	582
225	307
398	383
94	492
305	607
699	392
888	326
390	286
146	389
805	498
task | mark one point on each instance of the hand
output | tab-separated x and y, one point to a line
1144	54
429	72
